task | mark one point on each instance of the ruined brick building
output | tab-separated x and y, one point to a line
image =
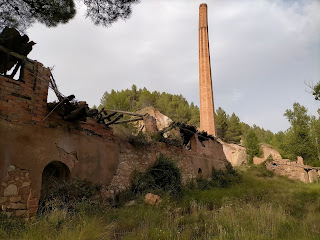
36	146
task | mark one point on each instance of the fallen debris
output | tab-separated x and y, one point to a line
14	48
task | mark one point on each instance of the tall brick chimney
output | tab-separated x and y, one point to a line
207	121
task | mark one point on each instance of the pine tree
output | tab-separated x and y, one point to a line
233	133
299	134
221	123
252	145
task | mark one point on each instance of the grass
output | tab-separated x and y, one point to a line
261	206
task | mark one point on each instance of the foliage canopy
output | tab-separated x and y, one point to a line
21	14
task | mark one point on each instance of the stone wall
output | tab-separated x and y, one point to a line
266	152
199	160
294	170
16	191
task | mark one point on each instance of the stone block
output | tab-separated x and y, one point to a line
17	206
300	161
11	168
313	176
24	190
152	199
15	199
11	190
25	184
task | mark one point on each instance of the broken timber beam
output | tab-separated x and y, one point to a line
114	120
130	120
16	55
107	117
125	112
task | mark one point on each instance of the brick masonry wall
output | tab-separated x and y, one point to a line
25	102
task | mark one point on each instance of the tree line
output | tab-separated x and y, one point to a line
302	138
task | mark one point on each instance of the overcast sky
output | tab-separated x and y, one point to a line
262	53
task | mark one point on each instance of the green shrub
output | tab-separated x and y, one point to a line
261	171
204	184
138	140
225	178
219	178
163	175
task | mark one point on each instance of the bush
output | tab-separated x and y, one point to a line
219	178
204	184
163	175
261	171
225	178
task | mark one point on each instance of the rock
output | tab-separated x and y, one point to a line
131	203
11	190
24	190
234	153
25	184
15	199
162	121
313	176
11	168
152	199
17	206
300	161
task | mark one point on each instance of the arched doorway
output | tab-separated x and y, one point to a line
54	174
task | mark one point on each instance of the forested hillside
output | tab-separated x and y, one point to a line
174	106
302	138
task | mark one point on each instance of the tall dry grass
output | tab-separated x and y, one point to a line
262	206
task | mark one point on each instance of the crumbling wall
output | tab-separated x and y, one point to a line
28	144
200	159
266	152
25	102
294	170
31	140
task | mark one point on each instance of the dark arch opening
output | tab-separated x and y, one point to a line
199	171
54	174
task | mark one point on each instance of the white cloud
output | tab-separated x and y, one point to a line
261	51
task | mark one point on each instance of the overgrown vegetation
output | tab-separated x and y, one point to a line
219	179
258	207
69	196
164	176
